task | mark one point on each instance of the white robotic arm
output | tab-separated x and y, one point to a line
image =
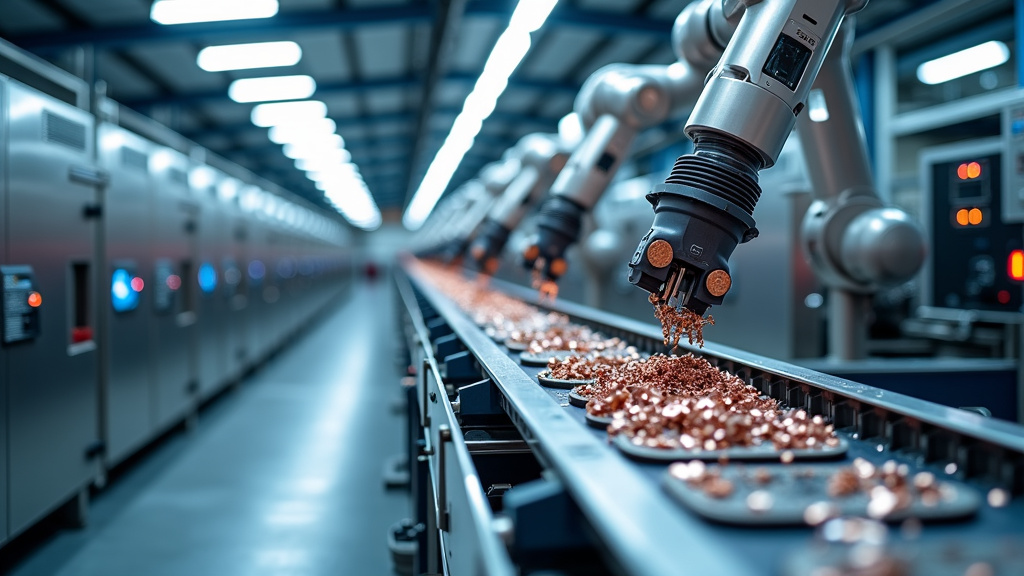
541	157
615	104
743	117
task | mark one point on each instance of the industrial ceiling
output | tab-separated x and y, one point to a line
381	66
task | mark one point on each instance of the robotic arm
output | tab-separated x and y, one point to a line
616	103
493	181
542	157
741	121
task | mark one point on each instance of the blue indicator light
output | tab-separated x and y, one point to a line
257	270
207	278
123	297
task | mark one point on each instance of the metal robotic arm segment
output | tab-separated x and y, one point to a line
740	122
542	157
854	241
615	103
490	185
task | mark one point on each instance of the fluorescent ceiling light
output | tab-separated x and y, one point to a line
187	11
974	59
272	88
508	52
276	113
353	200
246	56
302	131
311	148
323	160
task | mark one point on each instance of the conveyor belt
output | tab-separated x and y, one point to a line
647	532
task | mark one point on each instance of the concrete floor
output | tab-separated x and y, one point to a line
282	477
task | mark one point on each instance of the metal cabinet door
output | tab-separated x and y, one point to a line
3	351
52	378
235	292
127	384
173	296
212	308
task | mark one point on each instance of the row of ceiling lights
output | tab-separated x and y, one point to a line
299	124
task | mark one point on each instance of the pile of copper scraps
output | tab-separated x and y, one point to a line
587	367
504	317
678	321
889	487
683	402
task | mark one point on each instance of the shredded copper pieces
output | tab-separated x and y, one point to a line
890	487
685	402
707	479
589	366
678	321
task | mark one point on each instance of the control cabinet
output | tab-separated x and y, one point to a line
976	260
128	385
51	206
173	298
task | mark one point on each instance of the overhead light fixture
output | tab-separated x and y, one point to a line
272	88
188	11
352	199
277	113
323	160
246	56
302	131
508	52
311	148
968	61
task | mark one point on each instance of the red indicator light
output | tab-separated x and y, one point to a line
1003	296
973	170
174	282
35	299
137	284
961	171
1015	265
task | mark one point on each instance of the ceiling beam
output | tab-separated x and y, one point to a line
354	87
442	42
303	21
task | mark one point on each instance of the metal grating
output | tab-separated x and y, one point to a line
132	158
60	130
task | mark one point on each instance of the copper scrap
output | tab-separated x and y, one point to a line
889	487
678	321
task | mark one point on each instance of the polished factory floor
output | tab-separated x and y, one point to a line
281	477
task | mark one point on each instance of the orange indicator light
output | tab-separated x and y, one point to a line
35	299
974	216
973	170
1015	265
963	217
961	171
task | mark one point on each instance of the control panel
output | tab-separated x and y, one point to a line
977	257
21	304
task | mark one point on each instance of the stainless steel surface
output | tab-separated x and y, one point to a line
743	99
174	249
128	385
52	386
4	528
214	237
